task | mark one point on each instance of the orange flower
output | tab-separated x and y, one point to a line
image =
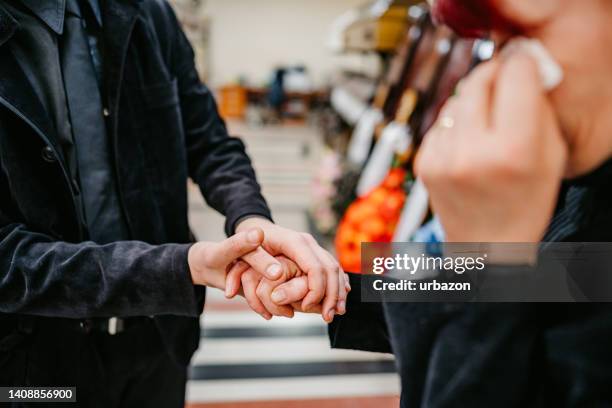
372	218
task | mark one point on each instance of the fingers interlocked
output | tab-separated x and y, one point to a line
322	289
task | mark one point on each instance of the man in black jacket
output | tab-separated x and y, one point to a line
102	120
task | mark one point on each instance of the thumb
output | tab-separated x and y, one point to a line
233	248
290	292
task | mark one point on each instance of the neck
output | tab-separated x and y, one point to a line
579	37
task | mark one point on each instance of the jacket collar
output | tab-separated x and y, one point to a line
50	12
16	92
53	13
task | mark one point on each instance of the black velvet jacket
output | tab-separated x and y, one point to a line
164	128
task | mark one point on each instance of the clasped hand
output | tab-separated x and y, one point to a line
277	270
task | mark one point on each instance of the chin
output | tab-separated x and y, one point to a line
471	18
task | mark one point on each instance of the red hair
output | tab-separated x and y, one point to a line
471	18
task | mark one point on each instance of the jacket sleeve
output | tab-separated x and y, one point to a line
45	277
363	327
218	163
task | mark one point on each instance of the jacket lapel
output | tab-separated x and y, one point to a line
120	17
16	91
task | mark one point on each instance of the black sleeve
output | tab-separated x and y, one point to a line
363	327
218	163
44	277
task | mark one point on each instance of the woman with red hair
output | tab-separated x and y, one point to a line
513	161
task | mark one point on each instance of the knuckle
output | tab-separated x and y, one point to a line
461	171
296	241
334	269
332	298
309	238
429	169
247	279
254	304
317	271
261	291
235	244
332	276
508	166
240	266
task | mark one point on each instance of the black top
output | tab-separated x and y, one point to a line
584	213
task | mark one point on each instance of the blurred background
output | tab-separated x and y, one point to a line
331	98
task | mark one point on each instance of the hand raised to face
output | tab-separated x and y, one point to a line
494	163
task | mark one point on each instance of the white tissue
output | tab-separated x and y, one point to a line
551	72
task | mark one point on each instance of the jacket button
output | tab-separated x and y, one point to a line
48	155
106	112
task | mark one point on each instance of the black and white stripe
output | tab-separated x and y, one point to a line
245	358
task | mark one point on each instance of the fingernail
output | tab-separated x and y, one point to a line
274	271
253	236
267	316
278	296
330	315
228	290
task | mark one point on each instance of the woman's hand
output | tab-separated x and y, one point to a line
494	163
280	297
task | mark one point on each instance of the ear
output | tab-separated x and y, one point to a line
528	13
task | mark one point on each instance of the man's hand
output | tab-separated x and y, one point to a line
210	261
494	163
324	275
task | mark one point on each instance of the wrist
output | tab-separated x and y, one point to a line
200	273
250	222
193	261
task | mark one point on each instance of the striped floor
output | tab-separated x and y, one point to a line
364	402
245	361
